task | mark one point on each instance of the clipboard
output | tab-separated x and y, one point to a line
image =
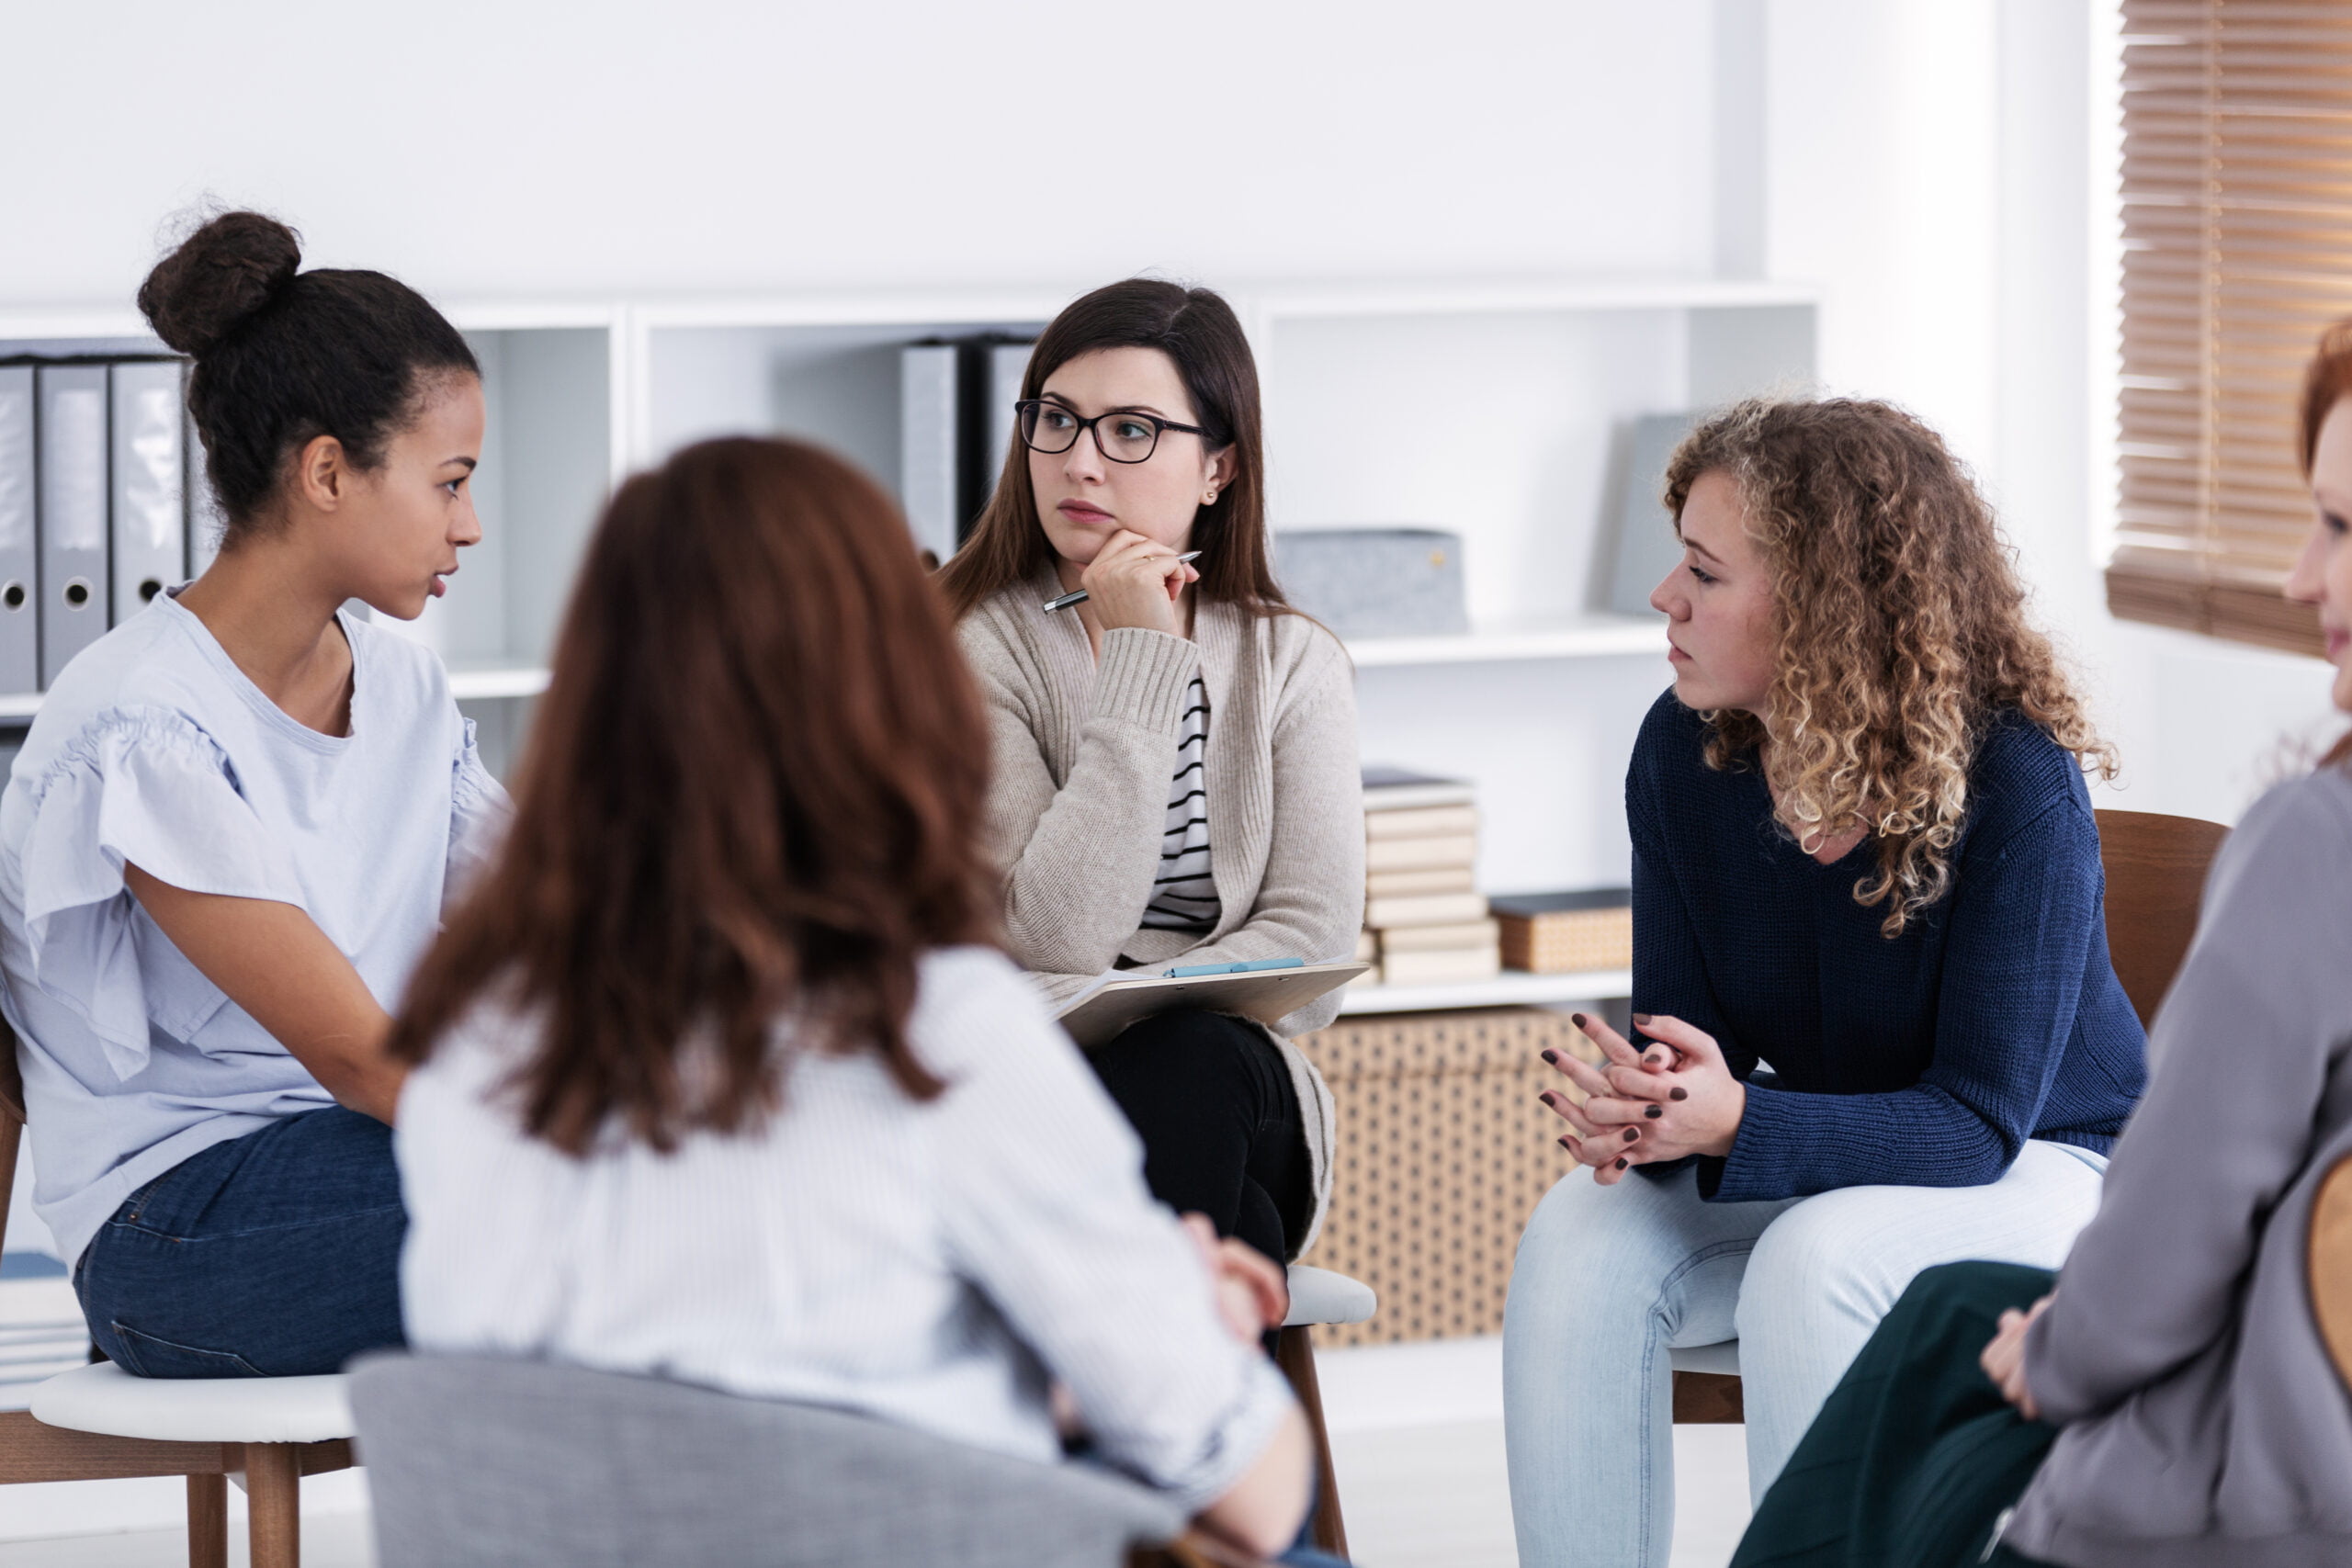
1100	1013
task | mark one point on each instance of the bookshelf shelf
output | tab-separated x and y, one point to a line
1508	989
1587	636
1498	408
476	683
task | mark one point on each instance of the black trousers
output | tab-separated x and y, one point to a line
1221	1126
1916	1454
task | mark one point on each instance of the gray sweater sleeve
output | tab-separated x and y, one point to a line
2239	1057
1078	862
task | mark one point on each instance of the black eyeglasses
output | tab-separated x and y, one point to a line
1120	436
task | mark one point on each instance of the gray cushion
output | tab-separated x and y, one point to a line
526	1465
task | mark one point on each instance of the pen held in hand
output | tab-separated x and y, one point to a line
1067	600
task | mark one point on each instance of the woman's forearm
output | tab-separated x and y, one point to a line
1079	856
1261	1512
272	960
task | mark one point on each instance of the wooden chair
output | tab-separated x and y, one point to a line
2155	868
1320	1296
201	1429
2155	876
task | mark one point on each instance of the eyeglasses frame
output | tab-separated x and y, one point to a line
1086	427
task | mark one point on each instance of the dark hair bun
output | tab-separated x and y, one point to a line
219	278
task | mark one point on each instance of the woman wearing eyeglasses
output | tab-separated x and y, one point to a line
1175	777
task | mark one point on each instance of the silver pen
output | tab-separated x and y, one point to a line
1067	600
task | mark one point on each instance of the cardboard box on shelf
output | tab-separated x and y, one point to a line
1561	933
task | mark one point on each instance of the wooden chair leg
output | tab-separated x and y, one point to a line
208	1521
1294	1354
274	1504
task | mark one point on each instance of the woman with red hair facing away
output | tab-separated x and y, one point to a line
720	1076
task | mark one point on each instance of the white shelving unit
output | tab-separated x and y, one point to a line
1509	989
1584	637
1494	409
556	381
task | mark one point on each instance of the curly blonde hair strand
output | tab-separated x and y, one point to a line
1902	632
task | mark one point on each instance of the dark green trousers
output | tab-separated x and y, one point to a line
1915	1456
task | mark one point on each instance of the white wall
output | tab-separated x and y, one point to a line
492	150
1930	163
1944	170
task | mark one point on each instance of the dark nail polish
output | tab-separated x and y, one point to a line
1552	1057
1578	1018
1677	1094
1654	1112
1632	1132
1568	1145
1621	1165
1641	1020
1546	1097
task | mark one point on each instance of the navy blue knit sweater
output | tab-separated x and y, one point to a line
1926	1060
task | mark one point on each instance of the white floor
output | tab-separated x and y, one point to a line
1417	1436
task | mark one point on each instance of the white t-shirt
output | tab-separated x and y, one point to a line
930	1263
153	748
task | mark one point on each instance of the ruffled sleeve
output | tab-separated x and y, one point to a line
479	813
144	785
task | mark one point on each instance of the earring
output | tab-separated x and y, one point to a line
1209	500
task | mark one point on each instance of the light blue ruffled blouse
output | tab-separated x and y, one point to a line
153	748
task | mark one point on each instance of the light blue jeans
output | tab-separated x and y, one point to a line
1609	1278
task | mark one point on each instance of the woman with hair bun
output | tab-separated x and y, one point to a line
233	827
1863	854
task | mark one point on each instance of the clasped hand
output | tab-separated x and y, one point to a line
1252	1289
1674	1098
2004	1358
1136	582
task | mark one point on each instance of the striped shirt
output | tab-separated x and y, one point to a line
1184	898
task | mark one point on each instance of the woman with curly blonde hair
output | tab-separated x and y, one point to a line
1863	854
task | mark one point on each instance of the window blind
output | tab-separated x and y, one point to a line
2237	251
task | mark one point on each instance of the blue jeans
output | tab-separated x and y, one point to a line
1609	1278
273	1255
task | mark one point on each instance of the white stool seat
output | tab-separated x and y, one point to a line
1320	1296
1721	1359
105	1398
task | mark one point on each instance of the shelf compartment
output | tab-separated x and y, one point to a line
1509	989
475	682
1585	636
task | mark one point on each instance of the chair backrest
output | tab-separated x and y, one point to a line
2155	877
511	1463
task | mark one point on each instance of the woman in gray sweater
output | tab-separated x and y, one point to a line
1173	759
2170	1404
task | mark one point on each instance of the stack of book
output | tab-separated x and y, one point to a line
1425	922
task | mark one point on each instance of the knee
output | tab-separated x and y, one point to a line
1188	1029
1818	1257
1186	1043
1966	1299
1582	1253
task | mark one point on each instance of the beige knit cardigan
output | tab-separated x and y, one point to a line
1082	752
